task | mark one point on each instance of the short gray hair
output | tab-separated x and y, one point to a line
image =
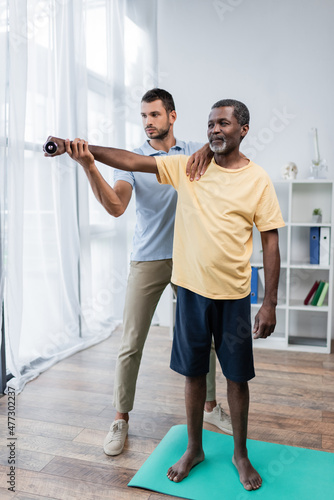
240	110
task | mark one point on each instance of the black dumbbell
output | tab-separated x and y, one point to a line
50	147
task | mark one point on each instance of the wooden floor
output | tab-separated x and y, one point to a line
64	415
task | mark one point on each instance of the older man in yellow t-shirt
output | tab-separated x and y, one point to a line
211	266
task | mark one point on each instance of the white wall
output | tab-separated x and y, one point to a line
276	56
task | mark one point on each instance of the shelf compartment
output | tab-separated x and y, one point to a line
307	328
307	341
300	248
306	197
299	306
301	282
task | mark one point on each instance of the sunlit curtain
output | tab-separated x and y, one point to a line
72	69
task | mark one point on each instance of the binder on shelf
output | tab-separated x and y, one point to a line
314	245
311	293
323	294
324	246
317	293
254	285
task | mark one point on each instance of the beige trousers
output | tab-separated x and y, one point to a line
146	282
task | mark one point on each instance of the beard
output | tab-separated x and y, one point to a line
221	148
159	133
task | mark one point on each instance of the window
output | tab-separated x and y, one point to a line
67	267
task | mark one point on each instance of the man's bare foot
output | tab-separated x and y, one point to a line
181	469
249	477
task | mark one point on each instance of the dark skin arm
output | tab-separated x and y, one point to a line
118	158
196	166
79	151
265	320
124	160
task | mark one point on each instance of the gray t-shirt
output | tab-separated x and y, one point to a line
155	206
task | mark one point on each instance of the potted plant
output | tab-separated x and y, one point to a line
317	215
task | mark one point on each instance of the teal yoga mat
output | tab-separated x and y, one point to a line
288	473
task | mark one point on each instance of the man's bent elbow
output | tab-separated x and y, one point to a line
117	212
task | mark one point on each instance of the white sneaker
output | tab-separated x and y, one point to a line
219	418
115	439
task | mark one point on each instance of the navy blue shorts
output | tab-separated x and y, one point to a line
198	319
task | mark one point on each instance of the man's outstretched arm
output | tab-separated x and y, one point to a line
79	151
196	166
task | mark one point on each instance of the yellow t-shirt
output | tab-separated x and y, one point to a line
214	223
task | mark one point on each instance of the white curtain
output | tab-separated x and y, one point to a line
72	69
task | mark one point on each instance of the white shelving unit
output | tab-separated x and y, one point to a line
299	327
